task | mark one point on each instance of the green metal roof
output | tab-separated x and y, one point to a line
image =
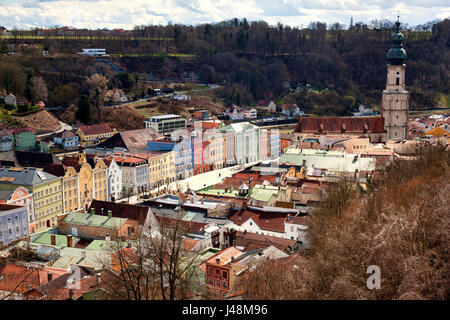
100	245
207	253
87	219
263	194
45	238
93	259
396	55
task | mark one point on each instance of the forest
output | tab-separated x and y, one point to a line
251	60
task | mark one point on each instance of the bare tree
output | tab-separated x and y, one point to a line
38	89
156	267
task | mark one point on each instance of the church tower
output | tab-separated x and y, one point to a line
395	99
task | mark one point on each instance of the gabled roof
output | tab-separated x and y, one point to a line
131	140
95	129
250	241
18	278
225	256
57	289
24	176
94	220
121	210
65	134
265	219
340	125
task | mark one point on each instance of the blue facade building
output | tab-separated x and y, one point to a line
66	139
182	150
14	223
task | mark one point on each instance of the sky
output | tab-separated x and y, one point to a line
126	14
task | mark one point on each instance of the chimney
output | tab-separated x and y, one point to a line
108	242
71	294
218	261
92	210
192	199
53	240
83	254
69	241
244	205
129	244
110	213
232	258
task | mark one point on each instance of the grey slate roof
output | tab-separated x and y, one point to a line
6	194
25	177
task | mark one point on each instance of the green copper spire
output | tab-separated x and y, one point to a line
396	55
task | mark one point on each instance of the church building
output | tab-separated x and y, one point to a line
393	122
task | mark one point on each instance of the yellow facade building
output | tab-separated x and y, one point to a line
46	189
161	168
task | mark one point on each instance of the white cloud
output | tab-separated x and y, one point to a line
126	14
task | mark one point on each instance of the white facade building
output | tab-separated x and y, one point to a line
93	52
114	181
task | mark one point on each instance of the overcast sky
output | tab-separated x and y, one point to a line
128	13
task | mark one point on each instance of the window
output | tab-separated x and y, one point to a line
225	274
211	281
397	81
218	282
224	284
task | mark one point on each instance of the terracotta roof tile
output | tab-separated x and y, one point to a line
224	256
19	278
271	221
95	129
340	125
250	241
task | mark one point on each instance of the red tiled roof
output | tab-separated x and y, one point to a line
303	220
189	243
120	159
20	130
19	278
71	162
95	129
56	169
224	256
266	220
340	125
210	125
250	241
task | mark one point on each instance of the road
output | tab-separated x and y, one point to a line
64	126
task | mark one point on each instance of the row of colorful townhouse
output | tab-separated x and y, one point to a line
23	139
216	146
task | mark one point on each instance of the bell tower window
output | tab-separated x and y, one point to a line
397	81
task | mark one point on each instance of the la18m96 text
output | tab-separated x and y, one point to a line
229	310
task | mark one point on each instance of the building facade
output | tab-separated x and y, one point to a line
66	139
46	189
114	179
14	223
20	197
24	139
135	174
165	124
